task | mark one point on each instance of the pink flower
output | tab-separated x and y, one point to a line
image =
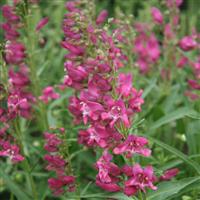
74	49
169	174
133	145
57	185
117	112
90	110
172	3
124	84
157	15
187	43
55	163
101	17
168	32
9	14
10	32
182	62
99	83
18	105
196	68
92	35
108	172
94	136
191	95
147	49
98	135
19	79
11	151
75	108
140	179
194	84
15	53
53	142
136	100
42	23
76	75
48	94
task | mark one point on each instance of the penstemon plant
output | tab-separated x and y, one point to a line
120	121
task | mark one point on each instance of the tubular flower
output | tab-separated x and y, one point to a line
169	174
157	15
187	43
139	179
104	100
48	94
133	145
108	172
58	164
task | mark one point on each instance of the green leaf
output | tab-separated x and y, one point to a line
122	196
178	153
116	196
168	190
193	137
151	85
177	114
14	188
86	188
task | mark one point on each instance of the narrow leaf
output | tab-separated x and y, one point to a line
178	153
14	188
177	114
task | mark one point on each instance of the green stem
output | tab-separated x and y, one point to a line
140	196
25	163
35	82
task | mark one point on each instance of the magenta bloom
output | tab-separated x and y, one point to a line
140	179
194	84
169	174
10	32
90	110
157	15
18	105
9	14
136	100
101	17
76	75
172	3
187	43
74	49
52	142
168	32
15	53
147	49
42	23
117	112
133	145
182	62
11	151
98	135
94	136
55	163
57	185
124	84
19	79
108	172
48	94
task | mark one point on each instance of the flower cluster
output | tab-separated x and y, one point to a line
187	44
146	46
58	163
18	97
148	49
104	99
